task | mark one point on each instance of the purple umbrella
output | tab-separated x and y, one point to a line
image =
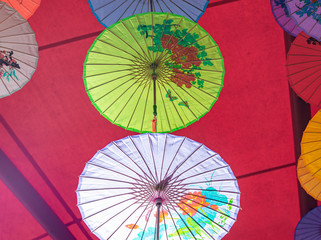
309	228
307	15
110	11
282	17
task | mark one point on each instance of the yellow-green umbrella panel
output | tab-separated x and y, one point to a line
154	66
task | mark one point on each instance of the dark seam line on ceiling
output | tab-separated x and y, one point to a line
215	4
266	170
300	114
42	174
69	40
31	200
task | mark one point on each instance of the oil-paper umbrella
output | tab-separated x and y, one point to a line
308	182
307	15
18	51
304	68
281	15
309	226
154	66
158	186
26	8
311	146
110	11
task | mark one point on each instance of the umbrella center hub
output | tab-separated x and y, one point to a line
153	67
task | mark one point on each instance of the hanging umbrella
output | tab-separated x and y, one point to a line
304	68
110	11
311	146
154	66
18	51
307	16
282	17
26	8
308	182
158	186
309	226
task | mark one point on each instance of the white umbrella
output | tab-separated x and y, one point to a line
158	186
18	51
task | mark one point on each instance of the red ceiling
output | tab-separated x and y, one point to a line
50	129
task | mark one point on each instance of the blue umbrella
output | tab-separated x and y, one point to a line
110	11
309	228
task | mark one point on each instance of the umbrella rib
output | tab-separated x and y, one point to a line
212	170
159	43
217	180
216	200
141	156
167	6
2	30
135	8
201	214
104	5
186	213
18	51
166	234
201	145
102	210
305	78
129	217
152	18
115	216
138	220
150	146
194	5
131	117
160	93
20	34
183	189
163	53
150	213
143	118
19	43
159	6
174	106
25	63
113	90
122	94
297	63
198	163
111	55
206	207
131	96
113	180
308	15
194	86
142	60
5	85
150	57
128	166
151	180
146	57
314	89
114	10
99	85
183	220
178	149
8	18
165	143
176	92
302	46
181	9
121	16
303	70
96	200
171	216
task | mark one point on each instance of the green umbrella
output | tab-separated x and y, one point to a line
154	67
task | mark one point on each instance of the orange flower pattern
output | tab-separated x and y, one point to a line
191	202
132	226
163	214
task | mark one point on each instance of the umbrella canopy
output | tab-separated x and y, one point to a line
110	11
308	182
281	15
26	8
307	16
304	68
18	51
143	181
154	65
311	146
309	226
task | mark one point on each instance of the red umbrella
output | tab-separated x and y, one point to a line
304	68
26	8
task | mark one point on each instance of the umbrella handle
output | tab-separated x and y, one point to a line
158	205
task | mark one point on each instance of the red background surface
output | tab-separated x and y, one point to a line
249	126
